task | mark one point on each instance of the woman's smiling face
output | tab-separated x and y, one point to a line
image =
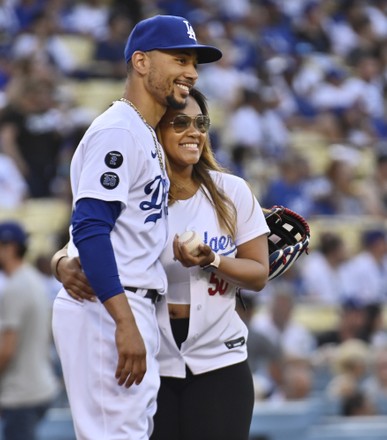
183	145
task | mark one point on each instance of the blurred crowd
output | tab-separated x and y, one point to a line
298	108
297	101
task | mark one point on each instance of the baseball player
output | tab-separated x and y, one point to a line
118	228
206	386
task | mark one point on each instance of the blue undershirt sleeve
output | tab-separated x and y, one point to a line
92	222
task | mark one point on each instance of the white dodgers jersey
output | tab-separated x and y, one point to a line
117	160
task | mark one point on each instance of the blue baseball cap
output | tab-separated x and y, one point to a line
372	236
163	32
13	232
352	303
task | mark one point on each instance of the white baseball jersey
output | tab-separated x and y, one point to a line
114	163
217	336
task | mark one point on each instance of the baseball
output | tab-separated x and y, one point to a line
191	240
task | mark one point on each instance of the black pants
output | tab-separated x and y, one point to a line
217	405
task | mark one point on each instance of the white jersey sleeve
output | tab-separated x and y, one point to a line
102	172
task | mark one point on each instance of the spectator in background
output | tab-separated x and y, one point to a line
41	42
376	12
25	69
43	264
294	79
289	186
375	385
311	27
342	26
256	124
338	192
240	156
89	18
26	10
13	187
238	9
265	357
334	101
9	24
366	272
349	366
366	88
373	189
279	72
135	9
330	95
30	134
278	324
28	384
374	331
107	57
276	33
367	39
247	56
356	128
245	122
296	381
350	325
222	82
321	273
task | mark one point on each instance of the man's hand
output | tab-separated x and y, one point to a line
131	365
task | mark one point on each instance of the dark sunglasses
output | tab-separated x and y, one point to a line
180	123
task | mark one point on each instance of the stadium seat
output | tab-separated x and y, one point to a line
81	48
43	219
95	94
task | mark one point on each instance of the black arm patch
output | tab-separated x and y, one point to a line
235	343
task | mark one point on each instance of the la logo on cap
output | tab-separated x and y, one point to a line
190	31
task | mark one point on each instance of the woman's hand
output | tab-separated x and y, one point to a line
249	270
74	280
182	254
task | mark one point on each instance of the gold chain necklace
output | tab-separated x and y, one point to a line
157	145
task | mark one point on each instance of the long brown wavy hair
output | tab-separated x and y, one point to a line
224	207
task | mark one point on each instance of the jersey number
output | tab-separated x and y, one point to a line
219	285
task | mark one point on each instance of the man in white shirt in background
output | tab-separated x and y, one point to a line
28	384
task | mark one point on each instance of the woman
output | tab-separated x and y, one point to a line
206	386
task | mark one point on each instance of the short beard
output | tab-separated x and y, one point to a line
171	101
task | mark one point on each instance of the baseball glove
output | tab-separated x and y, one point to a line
288	238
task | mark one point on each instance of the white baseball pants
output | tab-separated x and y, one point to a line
84	335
